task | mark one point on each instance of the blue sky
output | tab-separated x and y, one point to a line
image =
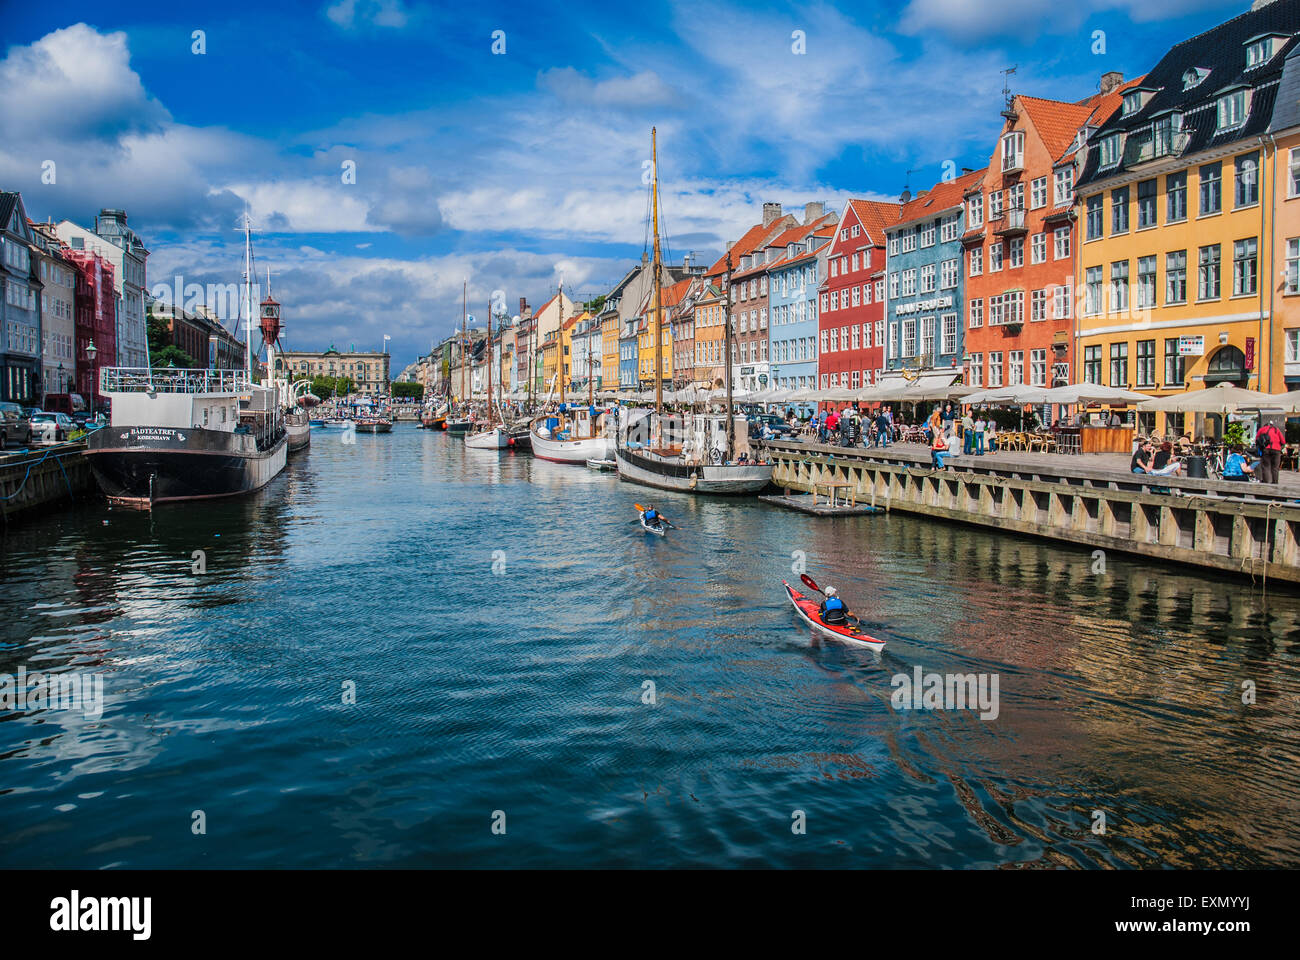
512	170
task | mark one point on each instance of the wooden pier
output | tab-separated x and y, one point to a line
804	502
43	475
1248	529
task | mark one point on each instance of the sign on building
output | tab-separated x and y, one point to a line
1191	346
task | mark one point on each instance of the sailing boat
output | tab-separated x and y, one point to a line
462	423
702	453
574	434
496	436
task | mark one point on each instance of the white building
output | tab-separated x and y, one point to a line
120	245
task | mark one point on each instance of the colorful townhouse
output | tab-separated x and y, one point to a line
794	281
923	335
852	316
1177	199
1019	241
1282	353
20	306
58	304
656	323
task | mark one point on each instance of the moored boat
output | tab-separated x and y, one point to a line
493	438
647	453
573	435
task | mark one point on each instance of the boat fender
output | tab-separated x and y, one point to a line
543	433
694	479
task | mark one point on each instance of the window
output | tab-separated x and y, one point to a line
835	341
995	368
1038	248
1064	183
1146	282
909	338
997	311
1016	197
880	333
1014	303
1015	367
1095	216
975	370
1038	193
1132	103
949	342
1062	247
1293	174
1119	210
995	257
880	290
1092	290
1038	368
976	314
1246	190
835	298
1176	276
825	336
857	297
1038	305
975	210
1175	363
976	257
947	274
1208	273
1145	364
1119	364
1092	364
1016	252
1108	151
995	205
1245	267
1259	52
1061	300
1176	197
1232	110
948	229
1013	150
928	278
909	241
1146	204
854	230
893	246
927	336
866	293
1293	265
893	286
927	235
1211	188
1194	76
1119	286
909	283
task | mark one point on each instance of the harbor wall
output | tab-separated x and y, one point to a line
1206	524
35	478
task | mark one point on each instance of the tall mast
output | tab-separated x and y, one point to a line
464	341
559	346
726	355
658	303
590	386
248	298
489	363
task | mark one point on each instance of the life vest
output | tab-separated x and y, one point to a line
834	603
650	515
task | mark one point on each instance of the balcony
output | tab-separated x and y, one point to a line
1013	223
1013	164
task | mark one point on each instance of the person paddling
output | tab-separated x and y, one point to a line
833	609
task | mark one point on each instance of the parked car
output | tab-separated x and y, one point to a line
69	403
51	427
779	427
15	427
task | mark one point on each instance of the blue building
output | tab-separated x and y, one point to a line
793	283
628	355
20	306
924	268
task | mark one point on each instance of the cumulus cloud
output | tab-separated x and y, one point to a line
351	14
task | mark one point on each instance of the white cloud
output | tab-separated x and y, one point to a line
974	21
350	14
639	91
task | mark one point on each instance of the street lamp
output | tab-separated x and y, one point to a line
91	351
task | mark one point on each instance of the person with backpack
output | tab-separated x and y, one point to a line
1269	442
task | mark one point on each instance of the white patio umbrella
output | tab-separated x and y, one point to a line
1076	393
1222	398
1016	395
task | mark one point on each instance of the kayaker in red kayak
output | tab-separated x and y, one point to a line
833	610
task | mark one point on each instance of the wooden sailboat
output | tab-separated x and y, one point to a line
702	453
573	434
496	436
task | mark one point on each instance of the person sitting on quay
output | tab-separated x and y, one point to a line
938	450
1165	464
1142	461
1235	467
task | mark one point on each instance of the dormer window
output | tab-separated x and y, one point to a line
1260	50
1194	76
1108	150
1132	103
1232	109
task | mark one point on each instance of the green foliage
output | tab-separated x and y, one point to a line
1235	435
596	305
160	335
171	356
327	387
403	390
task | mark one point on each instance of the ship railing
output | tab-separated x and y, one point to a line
172	380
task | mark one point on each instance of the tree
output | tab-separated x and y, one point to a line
171	356
160	334
404	390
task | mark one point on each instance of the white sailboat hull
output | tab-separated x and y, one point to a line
569	451
494	439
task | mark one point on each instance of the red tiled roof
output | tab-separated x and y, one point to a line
1058	122
944	195
753	237
875	216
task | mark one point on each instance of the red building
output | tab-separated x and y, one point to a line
852	298
95	319
1020	242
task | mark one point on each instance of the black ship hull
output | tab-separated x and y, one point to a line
143	466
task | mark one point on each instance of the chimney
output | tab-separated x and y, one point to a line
905	196
813	211
730	244
921	193
523	306
771	213
1110	80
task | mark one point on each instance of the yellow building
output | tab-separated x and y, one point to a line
1176	198
609	350
650	325
709	338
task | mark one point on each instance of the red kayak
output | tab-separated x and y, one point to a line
810	611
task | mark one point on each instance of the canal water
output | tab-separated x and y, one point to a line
402	648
